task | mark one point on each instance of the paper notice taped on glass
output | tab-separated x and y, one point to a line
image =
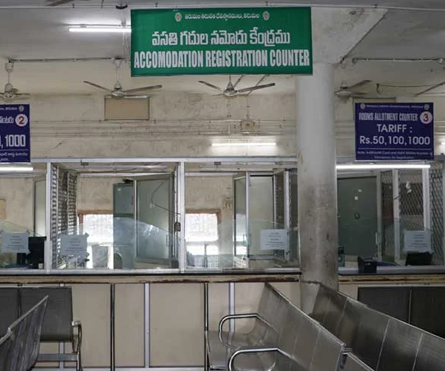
274	239
16	243
417	241
74	245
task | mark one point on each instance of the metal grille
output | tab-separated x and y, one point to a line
436	199
411	200
387	215
412	209
55	235
63	209
62	217
71	203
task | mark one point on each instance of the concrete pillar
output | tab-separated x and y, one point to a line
317	183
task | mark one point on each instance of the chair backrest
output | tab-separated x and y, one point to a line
35	332
5	345
268	302
349	322
328	352
59	312
276	312
352	363
370	335
270	308
400	347
322	303
10	312
431	354
329	307
25	338
315	348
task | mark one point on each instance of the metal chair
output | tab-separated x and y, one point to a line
268	322
58	325
304	345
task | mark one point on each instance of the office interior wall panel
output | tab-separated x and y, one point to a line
350	290
218	303
290	290
176	325
129	325
91	305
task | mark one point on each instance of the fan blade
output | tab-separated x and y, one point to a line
238	81
210	85
21	97
365	96
58	2
97	86
136	90
136	96
258	87
128	96
430	88
359	84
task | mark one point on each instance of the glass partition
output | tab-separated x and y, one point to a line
155	218
217	215
241	227
20	247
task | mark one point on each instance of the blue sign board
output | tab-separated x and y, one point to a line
15	135
394	131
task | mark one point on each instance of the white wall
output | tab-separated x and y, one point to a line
182	125
18	194
95	194
210	193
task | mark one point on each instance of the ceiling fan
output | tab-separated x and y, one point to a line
118	92
345	92
230	91
59	2
10	92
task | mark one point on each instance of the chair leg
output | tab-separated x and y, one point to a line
79	362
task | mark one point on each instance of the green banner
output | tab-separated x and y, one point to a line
221	41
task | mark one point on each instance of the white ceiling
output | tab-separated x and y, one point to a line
41	32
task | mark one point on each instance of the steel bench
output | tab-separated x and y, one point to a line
303	345
382	342
268	322
283	338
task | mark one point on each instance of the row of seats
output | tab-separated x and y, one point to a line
58	325
340	334
283	338
382	342
19	347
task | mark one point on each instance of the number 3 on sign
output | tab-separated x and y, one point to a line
21	120
426	117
